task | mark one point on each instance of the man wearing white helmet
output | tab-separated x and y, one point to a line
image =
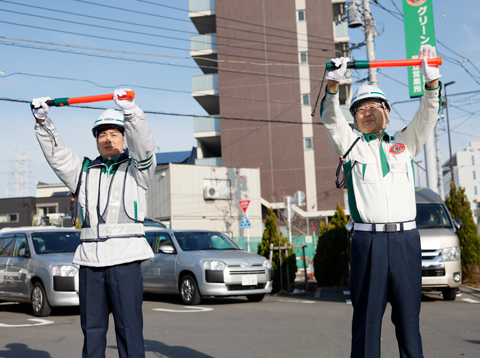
385	249
110	192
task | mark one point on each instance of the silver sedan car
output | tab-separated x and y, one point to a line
36	267
196	263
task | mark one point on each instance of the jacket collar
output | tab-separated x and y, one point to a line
101	161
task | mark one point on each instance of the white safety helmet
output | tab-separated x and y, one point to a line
365	92
107	120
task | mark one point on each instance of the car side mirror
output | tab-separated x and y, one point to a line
349	226
457	223
241	247
166	249
24	253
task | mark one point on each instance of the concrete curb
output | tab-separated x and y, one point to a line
472	288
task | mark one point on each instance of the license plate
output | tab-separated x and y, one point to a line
250	280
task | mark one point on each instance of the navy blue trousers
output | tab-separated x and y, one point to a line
119	290
386	265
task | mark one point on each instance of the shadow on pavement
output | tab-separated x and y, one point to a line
166	350
20	350
332	294
474	342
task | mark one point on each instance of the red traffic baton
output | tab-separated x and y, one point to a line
60	102
390	63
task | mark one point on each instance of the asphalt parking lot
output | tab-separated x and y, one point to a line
279	326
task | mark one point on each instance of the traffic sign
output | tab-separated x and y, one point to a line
244	204
245	223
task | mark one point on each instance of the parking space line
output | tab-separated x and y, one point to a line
190	309
41	323
470	300
296	301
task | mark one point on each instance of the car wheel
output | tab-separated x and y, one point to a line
40	305
449	294
189	290
256	298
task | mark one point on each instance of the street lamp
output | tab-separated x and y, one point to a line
448	128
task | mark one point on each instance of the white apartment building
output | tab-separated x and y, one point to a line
466	173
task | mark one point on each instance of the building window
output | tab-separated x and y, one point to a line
474	175
308	143
473	160
475	190
45	209
303	57
8	218
306	99
301	15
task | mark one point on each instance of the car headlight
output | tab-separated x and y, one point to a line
64	270
451	254
214	265
267	264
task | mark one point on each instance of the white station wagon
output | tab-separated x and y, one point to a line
196	263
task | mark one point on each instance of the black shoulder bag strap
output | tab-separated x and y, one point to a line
73	206
342	159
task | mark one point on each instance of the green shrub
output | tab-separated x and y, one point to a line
459	207
272	235
332	257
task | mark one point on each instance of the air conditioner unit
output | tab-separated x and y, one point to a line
211	192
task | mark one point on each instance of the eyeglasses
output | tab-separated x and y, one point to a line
366	108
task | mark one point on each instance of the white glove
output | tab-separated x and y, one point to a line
40	107
430	73
339	73
127	105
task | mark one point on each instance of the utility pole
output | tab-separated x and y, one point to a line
369	35
441	189
448	129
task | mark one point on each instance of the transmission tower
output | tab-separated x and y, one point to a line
20	173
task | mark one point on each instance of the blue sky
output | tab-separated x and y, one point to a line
169	78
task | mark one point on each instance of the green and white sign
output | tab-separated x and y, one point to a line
419	30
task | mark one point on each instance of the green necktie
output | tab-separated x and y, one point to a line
383	158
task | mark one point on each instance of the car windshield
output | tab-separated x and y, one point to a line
54	242
431	216
190	241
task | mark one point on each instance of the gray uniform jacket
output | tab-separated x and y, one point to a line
68	167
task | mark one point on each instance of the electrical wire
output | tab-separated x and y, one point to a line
157	55
235	20
217	26
259	120
145	25
145	87
153	62
155	35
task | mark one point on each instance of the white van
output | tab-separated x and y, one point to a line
441	265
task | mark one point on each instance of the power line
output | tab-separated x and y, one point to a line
148	34
142	25
235	20
182	20
252	73
182	114
157	55
145	87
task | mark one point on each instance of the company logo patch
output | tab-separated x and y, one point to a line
416	2
397	148
404	129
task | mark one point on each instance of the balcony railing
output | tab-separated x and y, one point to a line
341	30
214	162
203	42
202	5
206	124
205	82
